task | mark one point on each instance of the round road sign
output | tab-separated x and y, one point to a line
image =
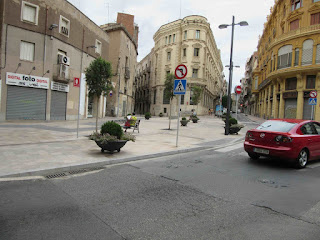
181	71
313	94
110	93
238	89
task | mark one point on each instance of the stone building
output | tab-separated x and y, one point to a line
289	61
123	39
187	41
45	47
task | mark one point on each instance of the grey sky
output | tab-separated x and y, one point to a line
151	14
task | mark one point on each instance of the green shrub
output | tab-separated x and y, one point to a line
112	128
147	115
183	118
233	121
161	114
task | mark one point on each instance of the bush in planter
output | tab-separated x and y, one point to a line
233	121
147	115
161	114
183	118
112	128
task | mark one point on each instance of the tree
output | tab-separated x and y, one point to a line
225	101
196	94
97	76
168	91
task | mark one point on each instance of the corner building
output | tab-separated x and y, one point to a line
187	41
288	64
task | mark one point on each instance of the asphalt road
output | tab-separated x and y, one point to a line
209	194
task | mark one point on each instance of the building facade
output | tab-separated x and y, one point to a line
187	41
288	65
45	47
123	42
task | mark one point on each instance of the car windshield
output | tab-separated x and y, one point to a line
276	126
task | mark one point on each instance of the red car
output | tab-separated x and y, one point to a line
296	140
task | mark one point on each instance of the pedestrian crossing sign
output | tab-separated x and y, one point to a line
180	86
312	101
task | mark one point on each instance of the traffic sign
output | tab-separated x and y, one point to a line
312	101
238	89
313	94
181	71
110	93
180	86
76	82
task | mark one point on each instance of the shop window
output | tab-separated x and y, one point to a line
311	82
64	27
315	18
285	56
185	35
197	34
296	57
29	13
27	51
194	73
294	25
291	83
296	4
307	52
196	52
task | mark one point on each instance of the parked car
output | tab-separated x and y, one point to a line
292	139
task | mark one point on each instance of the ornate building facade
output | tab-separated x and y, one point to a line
288	66
187	41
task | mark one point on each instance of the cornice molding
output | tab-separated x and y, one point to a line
294	15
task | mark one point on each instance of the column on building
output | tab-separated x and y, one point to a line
282	102
269	113
275	99
300	99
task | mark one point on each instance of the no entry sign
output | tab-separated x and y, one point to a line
238	89
313	94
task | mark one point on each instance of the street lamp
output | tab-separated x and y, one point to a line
222	26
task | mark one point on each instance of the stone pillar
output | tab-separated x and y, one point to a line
282	103
300	99
269	102
265	104
275	100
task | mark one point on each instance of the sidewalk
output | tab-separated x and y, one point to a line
38	148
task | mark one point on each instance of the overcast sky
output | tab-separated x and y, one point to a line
151	14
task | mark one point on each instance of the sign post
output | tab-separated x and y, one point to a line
238	91
179	88
313	102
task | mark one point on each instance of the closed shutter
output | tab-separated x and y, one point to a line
306	109
307	52
26	103
318	54
58	105
290	108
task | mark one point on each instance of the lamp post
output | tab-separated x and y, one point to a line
222	26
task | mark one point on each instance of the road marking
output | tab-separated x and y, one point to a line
230	148
313	165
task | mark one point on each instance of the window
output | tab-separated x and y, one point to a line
311	82
308	129
166	40
27	51
196	52
294	25
98	47
185	34
194	73
295	4
291	83
318	54
182	99
64	27
285	56
29	13
315	18
184	52
166	98
169	38
296	57
197	34
256	83
174	38
316	1
317	126
168	56
276	126
307	52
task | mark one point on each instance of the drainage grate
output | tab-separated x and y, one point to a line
57	175
78	171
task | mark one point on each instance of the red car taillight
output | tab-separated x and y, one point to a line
283	139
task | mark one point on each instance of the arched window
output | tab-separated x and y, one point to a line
307	50
285	56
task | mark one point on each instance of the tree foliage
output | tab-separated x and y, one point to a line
169	84
97	76
196	94
225	101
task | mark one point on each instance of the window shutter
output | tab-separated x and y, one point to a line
318	54
294	25
307	52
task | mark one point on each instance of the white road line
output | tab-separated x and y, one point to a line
230	148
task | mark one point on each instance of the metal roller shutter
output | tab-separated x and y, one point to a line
26	103
290	108
307	109
58	105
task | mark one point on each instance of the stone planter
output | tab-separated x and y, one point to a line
184	122
111	146
194	120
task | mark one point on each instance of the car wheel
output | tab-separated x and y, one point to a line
253	156
302	159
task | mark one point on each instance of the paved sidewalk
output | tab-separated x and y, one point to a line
33	148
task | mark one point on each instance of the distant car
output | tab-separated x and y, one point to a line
292	139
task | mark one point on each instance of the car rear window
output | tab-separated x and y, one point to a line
276	126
